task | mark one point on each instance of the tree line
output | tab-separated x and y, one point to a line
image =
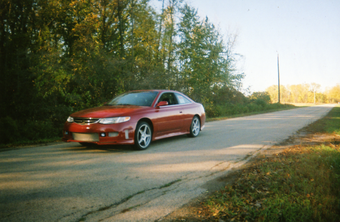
304	93
60	56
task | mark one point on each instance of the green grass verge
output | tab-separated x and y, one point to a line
277	107
217	112
328	124
300	184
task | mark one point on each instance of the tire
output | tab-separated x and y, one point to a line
143	135
195	127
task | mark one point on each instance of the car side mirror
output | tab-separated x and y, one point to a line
162	103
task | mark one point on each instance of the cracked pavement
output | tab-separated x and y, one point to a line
68	182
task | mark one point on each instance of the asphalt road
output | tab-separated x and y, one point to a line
68	182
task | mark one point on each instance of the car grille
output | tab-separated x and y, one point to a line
86	137
84	121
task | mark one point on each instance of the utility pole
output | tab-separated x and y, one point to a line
278	77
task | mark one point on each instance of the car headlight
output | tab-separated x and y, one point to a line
70	119
114	120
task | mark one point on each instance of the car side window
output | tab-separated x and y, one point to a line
169	97
182	99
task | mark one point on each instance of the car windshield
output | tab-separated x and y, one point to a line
135	98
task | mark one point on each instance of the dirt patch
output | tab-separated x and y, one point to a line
194	211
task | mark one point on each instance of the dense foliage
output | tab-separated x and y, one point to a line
59	56
304	93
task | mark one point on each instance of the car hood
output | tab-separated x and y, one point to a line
108	111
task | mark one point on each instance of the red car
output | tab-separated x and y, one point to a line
136	117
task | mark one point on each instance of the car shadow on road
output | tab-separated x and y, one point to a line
104	148
125	148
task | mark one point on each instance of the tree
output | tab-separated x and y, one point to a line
203	63
168	44
305	93
333	94
260	96
272	91
18	34
59	56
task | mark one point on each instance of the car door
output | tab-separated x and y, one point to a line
169	117
187	111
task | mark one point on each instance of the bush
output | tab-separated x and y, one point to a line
230	109
9	130
253	107
14	131
37	129
261	102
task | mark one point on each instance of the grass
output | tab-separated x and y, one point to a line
274	109
218	112
299	184
329	124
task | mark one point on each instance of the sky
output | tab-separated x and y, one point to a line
304	33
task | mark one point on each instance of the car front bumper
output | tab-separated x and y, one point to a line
101	134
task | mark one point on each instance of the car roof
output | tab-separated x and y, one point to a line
160	91
154	90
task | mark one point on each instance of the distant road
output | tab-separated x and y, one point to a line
68	182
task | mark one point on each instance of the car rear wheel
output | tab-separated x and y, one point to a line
143	136
195	127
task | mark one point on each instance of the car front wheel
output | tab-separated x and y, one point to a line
195	127
143	136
